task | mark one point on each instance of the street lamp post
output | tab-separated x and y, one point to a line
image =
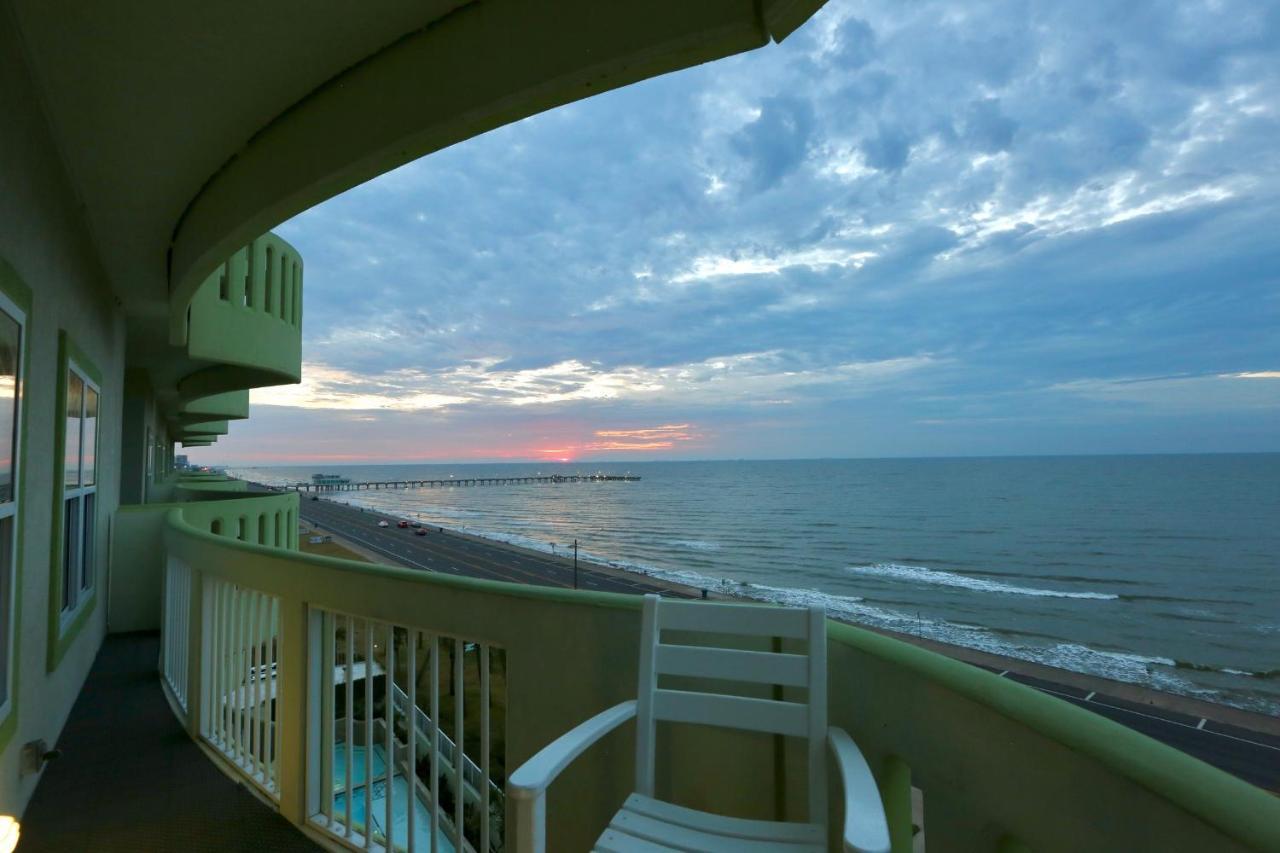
575	564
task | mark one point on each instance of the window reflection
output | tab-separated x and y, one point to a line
90	435
75	405
10	343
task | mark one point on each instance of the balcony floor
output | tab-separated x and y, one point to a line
130	779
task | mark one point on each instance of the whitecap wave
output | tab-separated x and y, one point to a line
920	574
1157	672
695	544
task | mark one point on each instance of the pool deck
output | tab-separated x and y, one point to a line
131	779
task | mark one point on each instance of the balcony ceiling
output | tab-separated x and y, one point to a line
149	99
188	128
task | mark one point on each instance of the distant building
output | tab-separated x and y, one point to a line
329	481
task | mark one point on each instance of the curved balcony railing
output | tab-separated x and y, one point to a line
245	321
230	405
1000	766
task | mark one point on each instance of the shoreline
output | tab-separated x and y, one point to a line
1085	684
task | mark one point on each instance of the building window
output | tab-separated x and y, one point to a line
79	489
12	321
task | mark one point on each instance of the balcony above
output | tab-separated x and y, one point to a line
231	405
246	319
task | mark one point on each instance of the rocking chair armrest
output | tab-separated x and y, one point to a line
865	827
536	775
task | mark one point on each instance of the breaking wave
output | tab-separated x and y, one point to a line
695	544
919	574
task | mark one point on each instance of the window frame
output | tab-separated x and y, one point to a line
13	509
84	573
65	625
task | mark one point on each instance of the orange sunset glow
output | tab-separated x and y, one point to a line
641	440
560	441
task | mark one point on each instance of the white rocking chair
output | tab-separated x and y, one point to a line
647	824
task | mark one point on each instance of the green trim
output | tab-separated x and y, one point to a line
17	291
60	639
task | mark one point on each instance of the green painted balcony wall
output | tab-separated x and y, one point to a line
231	405
138	554
204	428
247	318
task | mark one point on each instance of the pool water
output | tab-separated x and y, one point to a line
399	833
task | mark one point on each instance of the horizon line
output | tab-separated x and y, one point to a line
904	457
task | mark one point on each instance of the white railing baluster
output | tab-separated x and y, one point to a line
168	624
435	744
273	705
237	636
242	646
327	710
242	696
484	749
348	692
171	624
264	691
209	661
389	684
411	726
459	688
262	647
184	612
224	658
368	734
217	713
255	660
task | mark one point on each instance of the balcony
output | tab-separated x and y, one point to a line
231	405
306	677
246	321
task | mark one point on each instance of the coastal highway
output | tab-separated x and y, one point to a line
1251	755
460	555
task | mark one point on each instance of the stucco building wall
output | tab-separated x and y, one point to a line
44	239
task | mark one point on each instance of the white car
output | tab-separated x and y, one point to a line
383	523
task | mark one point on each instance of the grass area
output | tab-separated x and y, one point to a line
329	549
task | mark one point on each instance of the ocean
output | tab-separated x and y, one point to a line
1156	570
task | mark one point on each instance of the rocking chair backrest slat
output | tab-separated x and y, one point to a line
734	665
743	620
806	719
714	709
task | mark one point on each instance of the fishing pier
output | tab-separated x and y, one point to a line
341	485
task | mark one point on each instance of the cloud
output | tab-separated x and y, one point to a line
1180	393
934	210
775	143
663	437
741	378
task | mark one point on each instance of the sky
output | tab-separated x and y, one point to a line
912	229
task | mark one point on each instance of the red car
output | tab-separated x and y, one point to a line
402	524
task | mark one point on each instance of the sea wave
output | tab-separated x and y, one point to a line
1158	672
920	574
1266	674
695	544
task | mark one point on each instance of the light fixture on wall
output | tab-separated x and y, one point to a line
9	832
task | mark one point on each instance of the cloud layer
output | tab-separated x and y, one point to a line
922	228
